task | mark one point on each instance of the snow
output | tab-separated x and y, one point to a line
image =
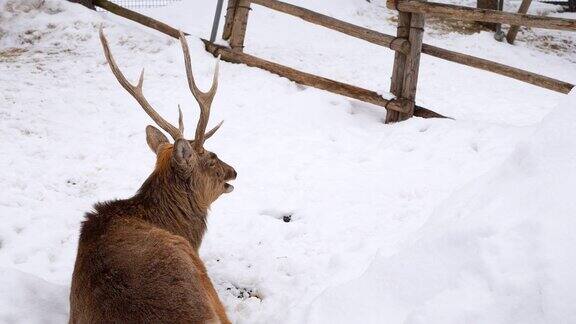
424	221
25	298
499	250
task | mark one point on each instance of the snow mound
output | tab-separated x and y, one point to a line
500	250
25	298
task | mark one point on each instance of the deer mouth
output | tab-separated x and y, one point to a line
228	188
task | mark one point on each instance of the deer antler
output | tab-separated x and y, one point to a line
136	92
204	98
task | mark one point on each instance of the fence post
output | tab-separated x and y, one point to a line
412	66
230	10
402	31
239	23
487	4
405	73
513	31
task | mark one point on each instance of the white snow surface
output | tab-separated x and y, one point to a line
424	221
499	250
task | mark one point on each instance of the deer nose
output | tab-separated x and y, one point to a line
234	174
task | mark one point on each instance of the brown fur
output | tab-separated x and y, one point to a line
137	258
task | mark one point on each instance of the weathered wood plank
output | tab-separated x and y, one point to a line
239	24
465	13
317	82
513	31
502	69
412	63
397	80
427	113
306	78
366	34
230	11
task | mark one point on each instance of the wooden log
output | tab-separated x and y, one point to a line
307	79
427	113
397	80
401	45
513	31
464	13
230	11
137	17
412	67
239	24
505	70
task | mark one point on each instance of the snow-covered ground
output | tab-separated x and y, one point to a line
425	221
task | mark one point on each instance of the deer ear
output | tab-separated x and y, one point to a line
183	152
155	138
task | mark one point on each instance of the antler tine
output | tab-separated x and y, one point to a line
204	98
180	121
212	131
136	91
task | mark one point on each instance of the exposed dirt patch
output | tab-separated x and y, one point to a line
11	54
551	43
438	26
446	26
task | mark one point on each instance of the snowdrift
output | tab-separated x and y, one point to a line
501	250
25	298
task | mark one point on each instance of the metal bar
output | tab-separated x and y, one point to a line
216	22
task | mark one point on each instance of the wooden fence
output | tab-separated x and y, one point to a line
407	44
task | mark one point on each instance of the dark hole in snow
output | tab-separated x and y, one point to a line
284	215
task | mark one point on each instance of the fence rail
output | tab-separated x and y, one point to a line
448	11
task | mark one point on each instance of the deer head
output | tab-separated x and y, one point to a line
185	164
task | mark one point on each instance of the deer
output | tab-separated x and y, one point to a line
138	258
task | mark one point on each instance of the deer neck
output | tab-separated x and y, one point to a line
168	204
